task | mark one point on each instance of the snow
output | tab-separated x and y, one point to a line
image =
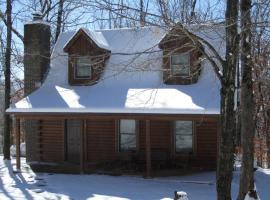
132	82
96	36
44	186
38	21
180	195
22	150
247	197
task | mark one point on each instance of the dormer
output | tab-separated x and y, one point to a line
181	58
87	53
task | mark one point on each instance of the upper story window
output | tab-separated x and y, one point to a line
127	135
83	68
183	131
180	64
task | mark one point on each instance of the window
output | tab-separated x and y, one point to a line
180	64
183	136
127	135
83	68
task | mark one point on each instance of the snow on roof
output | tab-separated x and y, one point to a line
132	81
96	36
38	22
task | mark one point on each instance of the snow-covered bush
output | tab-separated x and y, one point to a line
252	195
13	150
180	195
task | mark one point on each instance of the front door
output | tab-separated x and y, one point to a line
73	134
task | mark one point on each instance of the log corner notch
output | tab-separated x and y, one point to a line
18	143
148	150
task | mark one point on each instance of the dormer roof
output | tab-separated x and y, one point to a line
93	36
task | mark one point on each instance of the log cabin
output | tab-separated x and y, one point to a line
143	98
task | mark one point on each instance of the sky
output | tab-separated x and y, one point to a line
23	9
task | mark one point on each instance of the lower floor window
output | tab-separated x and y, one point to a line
183	131
127	135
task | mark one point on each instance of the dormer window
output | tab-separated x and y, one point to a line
180	65
83	68
87	53
181	57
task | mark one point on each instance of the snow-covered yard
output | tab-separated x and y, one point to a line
28	185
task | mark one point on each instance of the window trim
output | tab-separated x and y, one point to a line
82	77
193	139
135	150
180	75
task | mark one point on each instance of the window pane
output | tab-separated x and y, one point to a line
180	64
183	136
127	126
180	69
83	71
127	131
183	127
180	59
127	142
83	67
183	143
84	60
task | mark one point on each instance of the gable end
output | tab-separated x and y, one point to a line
82	47
176	43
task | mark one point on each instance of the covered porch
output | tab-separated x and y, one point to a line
98	140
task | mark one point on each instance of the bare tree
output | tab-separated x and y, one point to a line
260	52
225	70
142	13
59	19
227	133
6	150
192	13
247	102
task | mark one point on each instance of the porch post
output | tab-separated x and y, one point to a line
82	146
18	136
148	150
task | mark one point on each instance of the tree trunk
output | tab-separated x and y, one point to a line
192	13
142	14
7	81
227	132
247	103
59	19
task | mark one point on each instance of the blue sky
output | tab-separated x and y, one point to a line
22	12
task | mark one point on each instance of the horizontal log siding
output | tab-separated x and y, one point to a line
51	141
205	142
101	141
160	135
206	154
100	136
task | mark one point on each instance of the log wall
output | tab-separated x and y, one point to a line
51	141
101	142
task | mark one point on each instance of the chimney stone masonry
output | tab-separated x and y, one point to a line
37	35
36	52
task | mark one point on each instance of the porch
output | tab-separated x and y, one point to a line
94	143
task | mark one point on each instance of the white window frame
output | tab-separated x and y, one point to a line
171	64
86	65
132	149
175	138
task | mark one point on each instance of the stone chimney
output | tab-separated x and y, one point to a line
36	64
36	52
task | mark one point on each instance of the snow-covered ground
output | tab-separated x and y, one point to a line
28	185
